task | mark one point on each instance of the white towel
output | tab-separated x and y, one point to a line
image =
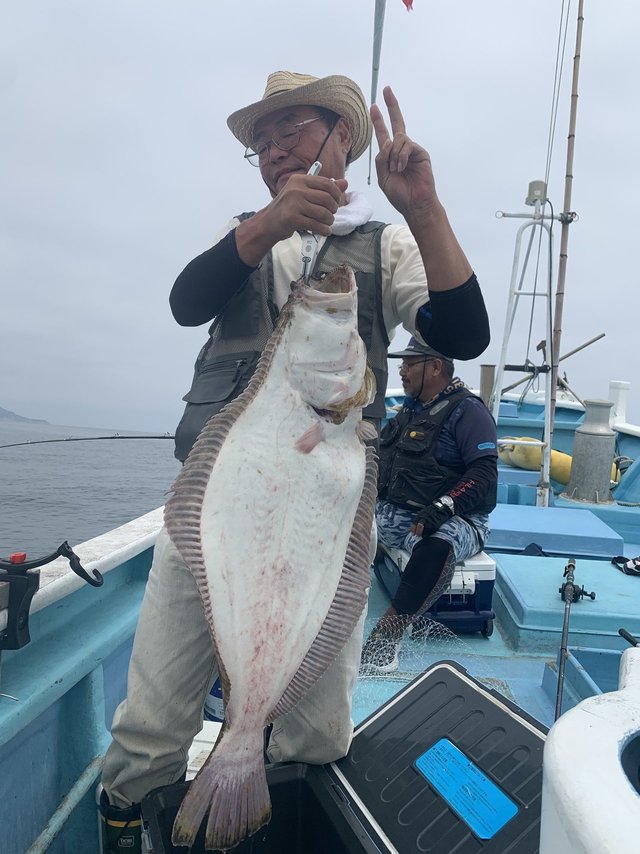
357	211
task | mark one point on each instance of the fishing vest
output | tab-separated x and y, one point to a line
240	332
408	473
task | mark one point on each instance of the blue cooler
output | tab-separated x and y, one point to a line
465	606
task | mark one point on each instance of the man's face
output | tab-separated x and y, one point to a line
420	376
280	165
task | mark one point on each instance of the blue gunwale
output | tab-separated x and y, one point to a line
73	674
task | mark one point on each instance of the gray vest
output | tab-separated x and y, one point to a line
239	333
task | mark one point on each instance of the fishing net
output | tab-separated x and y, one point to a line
401	648
396	651
381	652
394	657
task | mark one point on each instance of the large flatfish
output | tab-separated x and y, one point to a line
273	512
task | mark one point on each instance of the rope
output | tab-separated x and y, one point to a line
555	98
563	29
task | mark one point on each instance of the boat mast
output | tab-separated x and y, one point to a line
538	198
566	218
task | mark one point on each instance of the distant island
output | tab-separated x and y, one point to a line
7	415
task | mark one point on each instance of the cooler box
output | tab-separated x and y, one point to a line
465	606
445	765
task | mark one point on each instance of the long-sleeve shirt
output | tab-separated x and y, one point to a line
453	322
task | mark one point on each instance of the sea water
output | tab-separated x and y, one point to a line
75	490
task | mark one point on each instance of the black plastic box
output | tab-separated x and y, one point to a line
310	816
445	765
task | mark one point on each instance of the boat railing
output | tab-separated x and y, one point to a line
103	553
618	395
61	688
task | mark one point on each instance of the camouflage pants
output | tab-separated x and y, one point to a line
466	536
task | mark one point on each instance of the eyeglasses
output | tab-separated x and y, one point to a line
285	138
404	366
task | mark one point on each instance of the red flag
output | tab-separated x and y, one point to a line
408	4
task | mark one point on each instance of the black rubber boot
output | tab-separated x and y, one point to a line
120	829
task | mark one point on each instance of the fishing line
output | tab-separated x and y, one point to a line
548	357
535	283
558	71
84	439
563	29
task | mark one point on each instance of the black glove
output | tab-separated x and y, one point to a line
431	518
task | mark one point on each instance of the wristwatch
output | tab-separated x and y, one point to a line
445	501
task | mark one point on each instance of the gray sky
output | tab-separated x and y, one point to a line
116	168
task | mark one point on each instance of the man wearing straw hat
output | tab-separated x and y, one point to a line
245	278
312	223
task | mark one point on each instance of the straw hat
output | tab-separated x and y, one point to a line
289	89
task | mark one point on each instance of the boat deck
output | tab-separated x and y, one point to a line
491	660
519	660
63	687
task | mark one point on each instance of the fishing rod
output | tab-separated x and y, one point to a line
569	593
84	439
378	29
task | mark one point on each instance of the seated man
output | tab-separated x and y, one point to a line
436	486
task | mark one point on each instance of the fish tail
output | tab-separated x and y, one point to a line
232	787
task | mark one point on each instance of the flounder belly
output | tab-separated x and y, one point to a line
274	537
273	513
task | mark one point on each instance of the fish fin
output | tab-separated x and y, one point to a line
310	438
348	603
182	512
232	787
367	431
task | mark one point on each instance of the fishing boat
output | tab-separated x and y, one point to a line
503	634
528	694
65	648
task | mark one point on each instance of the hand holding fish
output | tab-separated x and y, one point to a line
305	203
403	166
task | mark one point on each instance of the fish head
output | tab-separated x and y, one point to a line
327	358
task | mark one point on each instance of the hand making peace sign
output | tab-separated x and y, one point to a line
403	166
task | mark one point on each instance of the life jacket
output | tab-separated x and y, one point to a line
408	473
240	332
